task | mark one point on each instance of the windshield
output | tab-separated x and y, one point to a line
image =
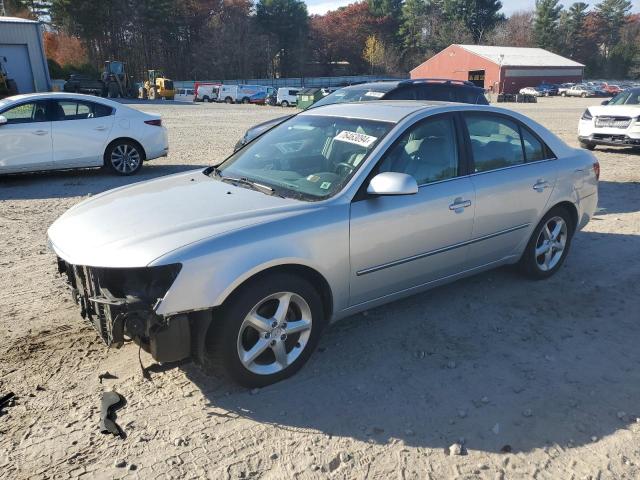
308	157
350	95
628	97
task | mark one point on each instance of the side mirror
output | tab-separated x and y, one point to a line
605	102
3	120
392	183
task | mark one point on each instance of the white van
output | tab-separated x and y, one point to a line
239	93
287	96
184	95
206	93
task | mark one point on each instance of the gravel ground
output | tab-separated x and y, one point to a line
531	379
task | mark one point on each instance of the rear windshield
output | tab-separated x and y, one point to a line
350	95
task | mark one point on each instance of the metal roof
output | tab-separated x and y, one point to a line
16	20
520	57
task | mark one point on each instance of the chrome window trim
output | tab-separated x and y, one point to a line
438	250
511	166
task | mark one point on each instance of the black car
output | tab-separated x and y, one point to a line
424	89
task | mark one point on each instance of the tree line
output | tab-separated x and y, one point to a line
227	39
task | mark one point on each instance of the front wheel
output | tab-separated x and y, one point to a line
285	103
267	330
588	145
549	245
124	157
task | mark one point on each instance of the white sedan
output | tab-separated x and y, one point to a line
530	91
51	131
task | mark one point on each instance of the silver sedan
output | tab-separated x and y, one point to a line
337	210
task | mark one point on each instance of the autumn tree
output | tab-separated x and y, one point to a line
515	31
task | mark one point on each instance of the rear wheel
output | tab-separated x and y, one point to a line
228	100
245	100
284	103
267	330
549	245
112	90
124	157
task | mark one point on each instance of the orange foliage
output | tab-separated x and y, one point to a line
64	49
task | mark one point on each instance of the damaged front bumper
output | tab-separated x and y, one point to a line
121	302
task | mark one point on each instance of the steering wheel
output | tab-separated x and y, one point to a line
346	166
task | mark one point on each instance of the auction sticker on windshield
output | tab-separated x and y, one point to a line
374	94
360	139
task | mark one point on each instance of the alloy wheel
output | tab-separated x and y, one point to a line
274	333
551	243
125	158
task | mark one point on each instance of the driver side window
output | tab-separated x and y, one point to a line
428	151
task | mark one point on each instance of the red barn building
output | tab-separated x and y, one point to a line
500	69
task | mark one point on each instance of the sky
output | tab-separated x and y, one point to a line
508	6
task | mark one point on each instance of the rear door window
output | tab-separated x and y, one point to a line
75	110
499	142
495	142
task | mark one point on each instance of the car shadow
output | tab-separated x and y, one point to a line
503	362
80	182
618	197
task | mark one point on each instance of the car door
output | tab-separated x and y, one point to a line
514	175
80	132
25	140
399	242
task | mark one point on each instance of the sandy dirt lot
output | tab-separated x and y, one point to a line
536	379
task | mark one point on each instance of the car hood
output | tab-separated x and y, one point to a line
616	110
134	225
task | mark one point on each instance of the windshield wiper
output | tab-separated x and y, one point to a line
249	183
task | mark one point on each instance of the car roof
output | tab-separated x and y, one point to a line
53	95
388	85
383	111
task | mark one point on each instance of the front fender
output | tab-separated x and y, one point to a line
213	269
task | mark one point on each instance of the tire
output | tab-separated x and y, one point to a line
563	94
12	86
584	95
206	99
153	93
245	100
112	90
124	157
588	146
284	103
228	100
233	335
544	265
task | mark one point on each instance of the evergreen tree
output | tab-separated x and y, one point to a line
479	16
545	27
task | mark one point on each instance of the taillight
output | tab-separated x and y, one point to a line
596	170
156	123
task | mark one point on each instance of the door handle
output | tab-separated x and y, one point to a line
101	127
40	132
540	185
459	205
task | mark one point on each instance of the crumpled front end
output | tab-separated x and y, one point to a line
121	303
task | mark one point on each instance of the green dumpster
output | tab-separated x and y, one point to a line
308	96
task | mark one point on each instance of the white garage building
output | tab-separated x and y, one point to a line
21	44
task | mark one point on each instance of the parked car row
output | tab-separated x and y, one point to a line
584	90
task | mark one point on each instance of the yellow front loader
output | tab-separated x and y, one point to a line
156	85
